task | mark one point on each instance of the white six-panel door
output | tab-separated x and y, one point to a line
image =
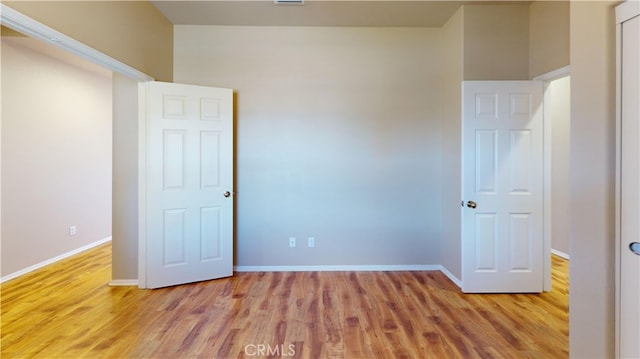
189	184
502	229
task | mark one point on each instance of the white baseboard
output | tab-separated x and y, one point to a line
451	277
338	268
560	254
53	260
123	283
352	268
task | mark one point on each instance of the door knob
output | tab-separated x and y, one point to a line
635	247
227	194
471	204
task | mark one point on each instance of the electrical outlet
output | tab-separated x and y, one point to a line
311	241
292	242
73	230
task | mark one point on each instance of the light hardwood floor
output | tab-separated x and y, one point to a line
67	310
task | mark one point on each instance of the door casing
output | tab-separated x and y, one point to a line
624	12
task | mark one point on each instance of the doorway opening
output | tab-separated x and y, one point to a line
557	112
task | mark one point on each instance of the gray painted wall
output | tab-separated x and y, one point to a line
338	138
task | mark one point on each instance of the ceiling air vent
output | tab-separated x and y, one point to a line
288	2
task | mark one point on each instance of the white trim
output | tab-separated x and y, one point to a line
462	174
560	254
30	27
123	283
339	268
622	14
142	185
53	260
617	191
451	277
555	74
627	10
547	215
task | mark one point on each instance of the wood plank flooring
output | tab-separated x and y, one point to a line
67	310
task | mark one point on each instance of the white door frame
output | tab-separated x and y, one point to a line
547	145
624	12
142	185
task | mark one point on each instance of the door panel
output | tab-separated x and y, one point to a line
520	241
189	220
503	174
486	243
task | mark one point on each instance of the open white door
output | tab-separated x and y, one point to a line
189	184
502	215
628	187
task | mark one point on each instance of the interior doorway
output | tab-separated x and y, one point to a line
558	113
558	110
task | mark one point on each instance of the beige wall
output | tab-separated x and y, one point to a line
338	137
56	153
496	42
7	32
452	47
548	36
592	179
125	180
133	32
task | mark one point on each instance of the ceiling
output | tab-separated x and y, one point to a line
313	13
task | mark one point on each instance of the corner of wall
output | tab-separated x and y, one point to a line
452	50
